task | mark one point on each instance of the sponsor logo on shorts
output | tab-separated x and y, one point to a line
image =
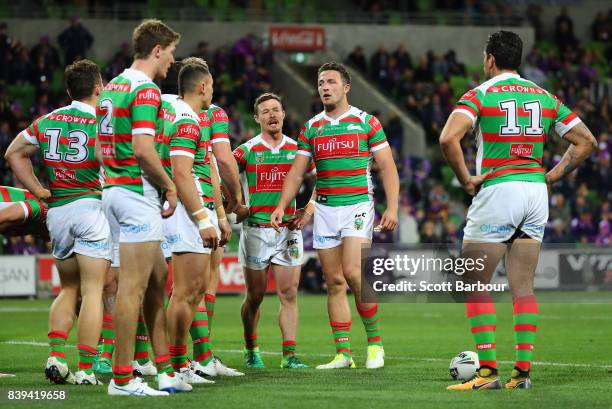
534	227
496	228
322	239
64	174
326	147
256	260
96	245
136	228
521	149
173	238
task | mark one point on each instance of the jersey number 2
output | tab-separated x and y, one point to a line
512	128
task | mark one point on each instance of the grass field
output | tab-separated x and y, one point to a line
573	354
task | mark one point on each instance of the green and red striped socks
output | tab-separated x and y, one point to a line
178	356
87	355
369	317
164	365
107	339
141	347
122	375
199	335
481	314
57	342
250	341
525	325
342	337
289	348
210	300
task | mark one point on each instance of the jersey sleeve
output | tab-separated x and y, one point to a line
219	124
143	109
565	119
312	170
470	104
31	132
186	139
239	154
304	146
377	139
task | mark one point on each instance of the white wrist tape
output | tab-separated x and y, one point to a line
204	223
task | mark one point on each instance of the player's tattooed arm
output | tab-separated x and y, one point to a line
18	156
583	143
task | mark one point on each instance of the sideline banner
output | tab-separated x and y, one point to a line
17	276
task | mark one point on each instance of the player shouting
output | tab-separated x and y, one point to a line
264	161
79	230
512	118
341	141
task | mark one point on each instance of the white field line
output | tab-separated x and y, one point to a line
424	315
392	358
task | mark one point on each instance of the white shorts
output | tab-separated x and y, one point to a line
500	211
260	246
333	223
183	234
79	227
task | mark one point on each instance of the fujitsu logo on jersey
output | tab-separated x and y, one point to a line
108	151
270	177
189	130
148	96
64	174
336	146
521	149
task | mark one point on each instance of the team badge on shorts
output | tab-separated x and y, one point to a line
359	221
294	252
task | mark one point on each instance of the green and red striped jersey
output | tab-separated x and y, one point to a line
127	106
219	124
192	140
33	210
512	118
165	130
263	170
342	153
67	139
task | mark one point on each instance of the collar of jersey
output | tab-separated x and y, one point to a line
81	106
275	149
337	120
134	71
503	76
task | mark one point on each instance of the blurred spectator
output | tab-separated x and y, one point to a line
357	59
75	40
564	31
407	224
202	51
48	53
600	28
428	233
403	58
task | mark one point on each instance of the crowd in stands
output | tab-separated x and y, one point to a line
433	206
242	71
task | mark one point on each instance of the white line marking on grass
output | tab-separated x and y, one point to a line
392	358
23	309
581	317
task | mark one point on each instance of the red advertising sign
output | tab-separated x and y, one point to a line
231	277
297	38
